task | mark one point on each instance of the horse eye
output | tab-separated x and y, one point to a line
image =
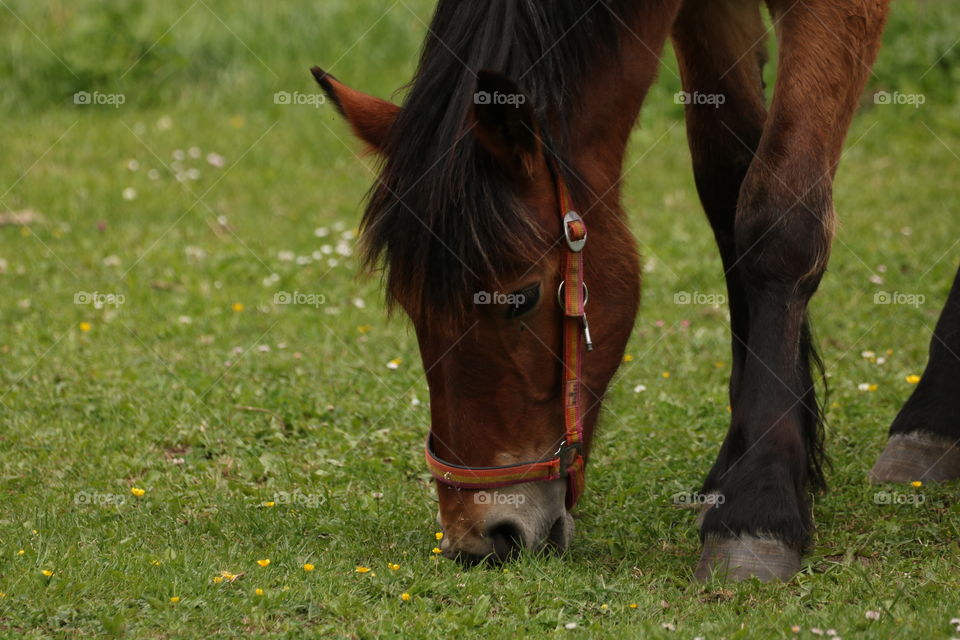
523	301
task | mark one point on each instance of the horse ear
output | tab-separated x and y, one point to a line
504	121
370	118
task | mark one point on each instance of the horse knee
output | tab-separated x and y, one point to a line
783	233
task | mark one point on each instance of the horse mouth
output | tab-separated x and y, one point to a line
561	533
508	541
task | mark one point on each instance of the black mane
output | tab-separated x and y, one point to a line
442	216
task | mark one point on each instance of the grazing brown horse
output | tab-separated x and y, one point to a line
510	146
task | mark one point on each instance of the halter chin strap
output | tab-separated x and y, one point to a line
568	461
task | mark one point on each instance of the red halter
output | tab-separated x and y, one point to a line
568	461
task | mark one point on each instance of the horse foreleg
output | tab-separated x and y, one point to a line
924	440
783	230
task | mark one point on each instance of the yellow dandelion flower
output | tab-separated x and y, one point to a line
269	503
21	552
137	491
364	328
666	374
913	379
436	550
392	566
217	579
155	563
362	569
175	599
308	567
258	591
627	357
85	326
264	563
604	607
633	605
47	572
405	597
438	535
872	387
237	307
916	484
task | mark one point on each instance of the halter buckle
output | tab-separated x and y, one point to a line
576	447
575	244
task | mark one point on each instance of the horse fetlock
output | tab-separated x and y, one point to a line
760	499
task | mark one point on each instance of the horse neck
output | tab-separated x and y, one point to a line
612	98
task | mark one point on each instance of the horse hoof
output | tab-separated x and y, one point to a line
746	557
914	456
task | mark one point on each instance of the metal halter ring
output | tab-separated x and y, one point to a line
575	245
586	293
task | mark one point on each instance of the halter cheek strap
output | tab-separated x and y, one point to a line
568	461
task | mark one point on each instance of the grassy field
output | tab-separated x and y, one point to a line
159	446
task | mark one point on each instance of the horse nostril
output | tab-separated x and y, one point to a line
507	541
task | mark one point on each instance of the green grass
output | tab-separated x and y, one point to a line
173	391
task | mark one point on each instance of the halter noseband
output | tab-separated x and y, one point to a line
568	461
